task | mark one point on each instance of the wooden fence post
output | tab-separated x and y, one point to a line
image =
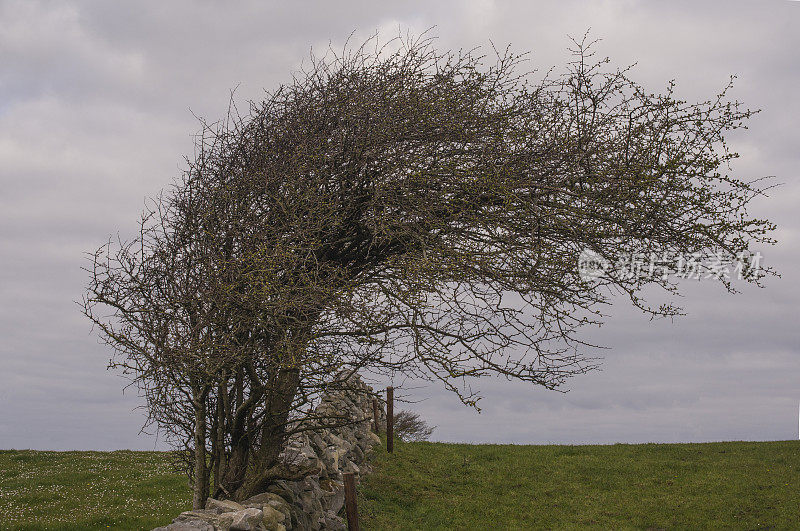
390	419
375	428
350	505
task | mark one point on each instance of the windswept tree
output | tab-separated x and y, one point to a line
401	210
409	426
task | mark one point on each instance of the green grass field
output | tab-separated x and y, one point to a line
736	485
89	490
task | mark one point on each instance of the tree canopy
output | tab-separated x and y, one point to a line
397	209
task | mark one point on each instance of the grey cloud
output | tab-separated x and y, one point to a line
94	117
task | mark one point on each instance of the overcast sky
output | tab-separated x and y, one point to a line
96	114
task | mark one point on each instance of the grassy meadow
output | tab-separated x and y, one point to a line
733	485
89	490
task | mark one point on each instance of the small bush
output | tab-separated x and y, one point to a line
408	426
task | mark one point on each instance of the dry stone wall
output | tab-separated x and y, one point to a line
324	454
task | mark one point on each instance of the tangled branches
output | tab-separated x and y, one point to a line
403	210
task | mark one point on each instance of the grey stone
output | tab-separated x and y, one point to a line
246	519
332	495
349	466
284	490
357	454
333	522
223	506
207	515
192	524
272	517
267	498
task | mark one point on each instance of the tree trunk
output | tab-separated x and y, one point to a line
273	433
200	488
236	467
218	443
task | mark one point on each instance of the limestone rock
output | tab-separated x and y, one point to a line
193	521
332	495
188	525
272	517
266	498
333	522
246	519
374	439
223	506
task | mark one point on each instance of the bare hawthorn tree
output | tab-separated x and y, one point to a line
396	209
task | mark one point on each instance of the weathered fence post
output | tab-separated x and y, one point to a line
376	427
350	505
390	419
